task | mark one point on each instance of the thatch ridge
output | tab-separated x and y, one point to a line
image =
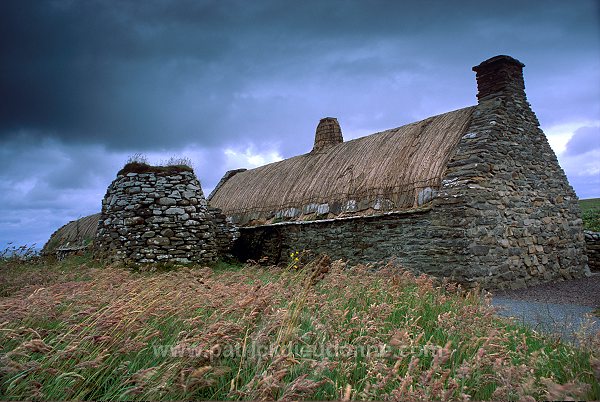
392	165
228	175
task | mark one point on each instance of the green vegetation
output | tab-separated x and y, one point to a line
318	331
591	219
590	214
590	203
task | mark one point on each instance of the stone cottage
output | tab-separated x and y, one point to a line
475	194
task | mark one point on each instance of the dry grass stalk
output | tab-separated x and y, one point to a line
322	331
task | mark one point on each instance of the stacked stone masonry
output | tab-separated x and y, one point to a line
592	240
225	233
156	217
505	191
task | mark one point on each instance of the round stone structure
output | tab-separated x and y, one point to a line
154	214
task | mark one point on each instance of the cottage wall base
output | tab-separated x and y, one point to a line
423	242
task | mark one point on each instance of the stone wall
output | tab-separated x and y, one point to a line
592	241
423	241
505	190
504	216
225	232
159	215
413	239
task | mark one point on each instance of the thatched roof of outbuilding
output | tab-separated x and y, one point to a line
79	232
383	171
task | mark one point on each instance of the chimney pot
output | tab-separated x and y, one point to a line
328	134
500	75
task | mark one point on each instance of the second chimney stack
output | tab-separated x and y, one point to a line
328	134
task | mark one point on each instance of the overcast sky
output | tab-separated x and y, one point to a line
230	84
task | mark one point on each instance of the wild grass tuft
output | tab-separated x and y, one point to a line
138	163
178	161
18	274
320	330
19	255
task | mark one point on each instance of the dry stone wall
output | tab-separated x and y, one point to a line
506	191
409	237
422	241
592	241
156	216
225	232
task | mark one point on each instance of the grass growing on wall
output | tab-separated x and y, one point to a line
318	331
138	163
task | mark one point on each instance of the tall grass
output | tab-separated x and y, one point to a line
16	255
321	331
27	270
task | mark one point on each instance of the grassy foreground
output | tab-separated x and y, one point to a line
75	330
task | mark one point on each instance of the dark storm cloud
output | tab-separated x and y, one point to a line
84	84
38	176
45	183
166	74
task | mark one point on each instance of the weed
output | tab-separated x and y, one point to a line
37	271
138	163
178	161
14	255
591	219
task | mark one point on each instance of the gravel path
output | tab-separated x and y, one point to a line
583	292
560	308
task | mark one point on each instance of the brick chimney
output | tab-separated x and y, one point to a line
328	134
500	76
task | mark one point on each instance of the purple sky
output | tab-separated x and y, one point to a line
230	84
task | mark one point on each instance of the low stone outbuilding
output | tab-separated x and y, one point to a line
475	195
155	214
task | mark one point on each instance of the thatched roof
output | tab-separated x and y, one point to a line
391	170
75	233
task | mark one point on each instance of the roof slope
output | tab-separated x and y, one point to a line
75	233
389	168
